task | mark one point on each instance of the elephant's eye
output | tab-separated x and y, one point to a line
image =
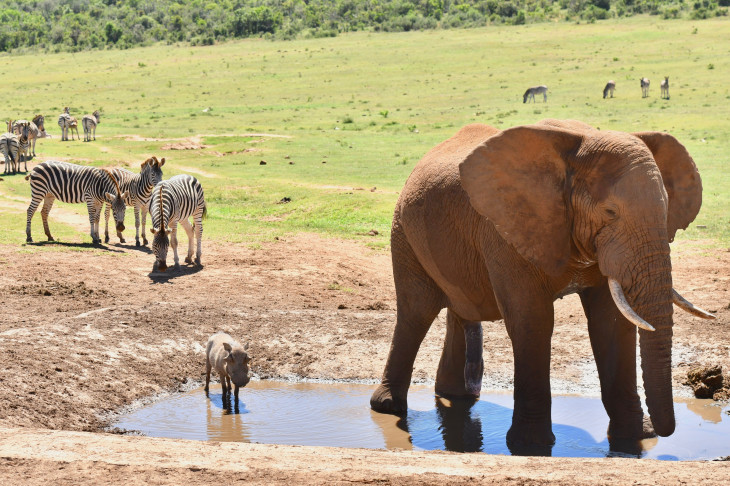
610	212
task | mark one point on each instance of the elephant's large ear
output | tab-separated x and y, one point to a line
681	179
518	180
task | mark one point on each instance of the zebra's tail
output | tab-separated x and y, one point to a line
205	211
27	178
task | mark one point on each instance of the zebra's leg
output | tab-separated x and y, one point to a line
34	203
198	218
106	223
173	244
136	225
189	231
144	222
95	134
47	205
94	214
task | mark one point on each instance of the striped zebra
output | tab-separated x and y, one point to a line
175	200
24	131
535	90
36	129
138	188
64	121
90	122
610	87
10	148
645	87
664	85
73	183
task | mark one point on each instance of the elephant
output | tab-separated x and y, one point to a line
499	224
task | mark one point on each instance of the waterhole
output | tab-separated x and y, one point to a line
339	415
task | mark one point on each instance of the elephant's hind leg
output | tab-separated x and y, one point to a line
461	367
419	301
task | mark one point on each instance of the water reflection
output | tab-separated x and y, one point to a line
338	415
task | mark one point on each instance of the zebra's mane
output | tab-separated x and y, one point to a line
161	228
114	180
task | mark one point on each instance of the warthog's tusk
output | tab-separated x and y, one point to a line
686	305
620	299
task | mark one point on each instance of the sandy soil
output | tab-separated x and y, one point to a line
85	334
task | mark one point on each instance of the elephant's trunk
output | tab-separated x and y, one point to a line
650	295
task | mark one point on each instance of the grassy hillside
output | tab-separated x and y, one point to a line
336	117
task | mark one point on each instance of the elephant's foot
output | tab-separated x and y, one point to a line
534	439
384	400
636	428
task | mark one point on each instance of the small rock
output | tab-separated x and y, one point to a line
701	226
291	163
342	306
284	200
324	161
263	162
705	380
373	189
287	157
373	232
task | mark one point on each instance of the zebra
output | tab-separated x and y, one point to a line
172	201
89	122
610	86
64	121
26	131
644	87
531	92
138	188
37	129
73	183
10	148
664	85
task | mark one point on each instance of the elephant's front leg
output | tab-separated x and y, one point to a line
461	367
527	308
613	340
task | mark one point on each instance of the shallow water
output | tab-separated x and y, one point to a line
339	415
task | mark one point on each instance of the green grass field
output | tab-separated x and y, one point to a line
336	117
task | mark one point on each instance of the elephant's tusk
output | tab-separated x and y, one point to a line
620	299
686	305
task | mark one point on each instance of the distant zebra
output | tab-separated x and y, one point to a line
665	87
644	87
138	188
175	200
36	129
531	92
25	133
64	121
10	148
73	183
89	122
610	86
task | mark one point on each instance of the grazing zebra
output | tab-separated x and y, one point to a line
531	92
138	188
89	122
610	86
175	200
73	183
10	148
664	85
644	87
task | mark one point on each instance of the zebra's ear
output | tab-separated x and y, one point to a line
124	195
162	162
109	196
153	231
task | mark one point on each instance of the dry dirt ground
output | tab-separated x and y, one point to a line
85	334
